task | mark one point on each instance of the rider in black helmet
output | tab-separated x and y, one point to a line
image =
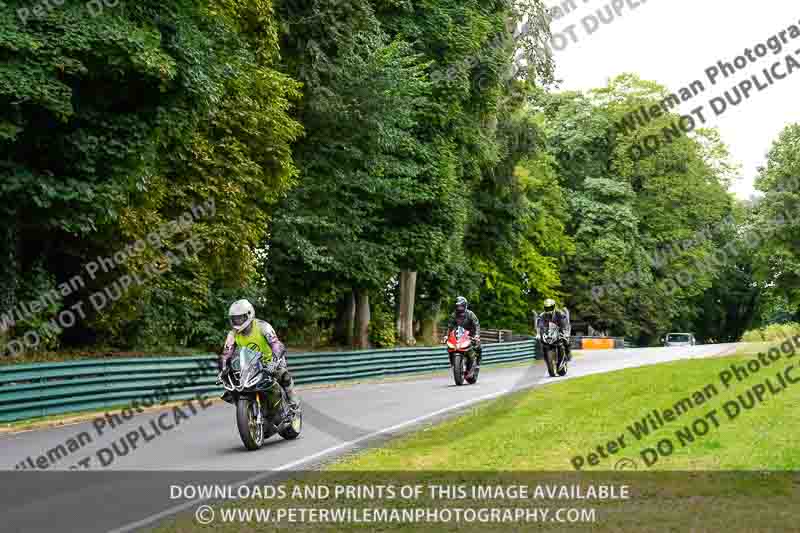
465	318
560	318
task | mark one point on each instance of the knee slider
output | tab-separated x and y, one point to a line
286	379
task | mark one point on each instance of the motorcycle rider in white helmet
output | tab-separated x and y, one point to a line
249	332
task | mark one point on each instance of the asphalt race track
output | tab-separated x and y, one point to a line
337	420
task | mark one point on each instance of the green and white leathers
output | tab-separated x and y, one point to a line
255	340
249	332
259	336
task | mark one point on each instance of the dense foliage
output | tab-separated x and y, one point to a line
346	164
116	123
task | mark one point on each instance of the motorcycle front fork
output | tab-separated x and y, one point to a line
476	359
261	402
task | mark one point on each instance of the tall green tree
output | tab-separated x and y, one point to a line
777	259
640	223
112	124
473	47
362	169
519	242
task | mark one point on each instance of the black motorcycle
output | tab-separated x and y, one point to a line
262	408
552	340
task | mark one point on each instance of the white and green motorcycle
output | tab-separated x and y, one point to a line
262	408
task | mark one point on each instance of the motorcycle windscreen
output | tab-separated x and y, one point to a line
464	343
250	364
462	338
551	335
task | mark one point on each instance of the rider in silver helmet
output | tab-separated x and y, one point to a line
249	332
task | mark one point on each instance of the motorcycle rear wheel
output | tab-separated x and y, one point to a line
562	361
562	369
458	369
250	431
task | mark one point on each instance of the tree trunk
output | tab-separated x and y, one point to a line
9	274
362	317
430	327
345	318
350	318
408	288
8	267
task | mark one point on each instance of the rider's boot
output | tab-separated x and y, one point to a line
472	363
291	395
475	361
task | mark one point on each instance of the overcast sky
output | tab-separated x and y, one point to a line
672	42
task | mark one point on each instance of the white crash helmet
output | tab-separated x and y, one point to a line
241	314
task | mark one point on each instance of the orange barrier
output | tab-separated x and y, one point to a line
597	344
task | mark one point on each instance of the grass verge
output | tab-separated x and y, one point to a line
534	436
545	428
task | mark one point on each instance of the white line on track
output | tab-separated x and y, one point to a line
288	466
186	505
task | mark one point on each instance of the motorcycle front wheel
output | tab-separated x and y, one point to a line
251	432
458	369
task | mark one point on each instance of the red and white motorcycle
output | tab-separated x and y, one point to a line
463	356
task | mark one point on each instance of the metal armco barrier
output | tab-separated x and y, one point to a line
35	390
42	389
